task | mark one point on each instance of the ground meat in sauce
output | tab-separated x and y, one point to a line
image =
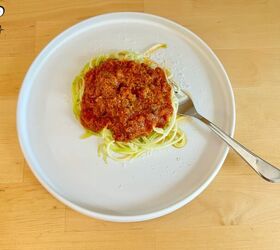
128	97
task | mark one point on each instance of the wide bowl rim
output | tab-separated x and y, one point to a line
109	217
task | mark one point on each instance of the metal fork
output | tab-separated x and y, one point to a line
261	167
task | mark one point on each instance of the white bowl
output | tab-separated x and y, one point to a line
69	167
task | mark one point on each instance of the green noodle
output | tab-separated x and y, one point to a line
160	138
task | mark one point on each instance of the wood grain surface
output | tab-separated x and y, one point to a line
238	210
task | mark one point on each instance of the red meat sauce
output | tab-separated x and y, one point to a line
128	98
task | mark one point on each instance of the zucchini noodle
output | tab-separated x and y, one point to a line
170	135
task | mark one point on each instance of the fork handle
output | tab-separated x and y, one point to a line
263	168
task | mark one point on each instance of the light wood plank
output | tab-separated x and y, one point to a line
220	238
234	24
136	240
29	208
11	160
251	67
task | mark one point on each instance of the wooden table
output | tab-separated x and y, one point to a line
238	211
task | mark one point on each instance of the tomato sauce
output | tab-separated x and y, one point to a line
127	97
